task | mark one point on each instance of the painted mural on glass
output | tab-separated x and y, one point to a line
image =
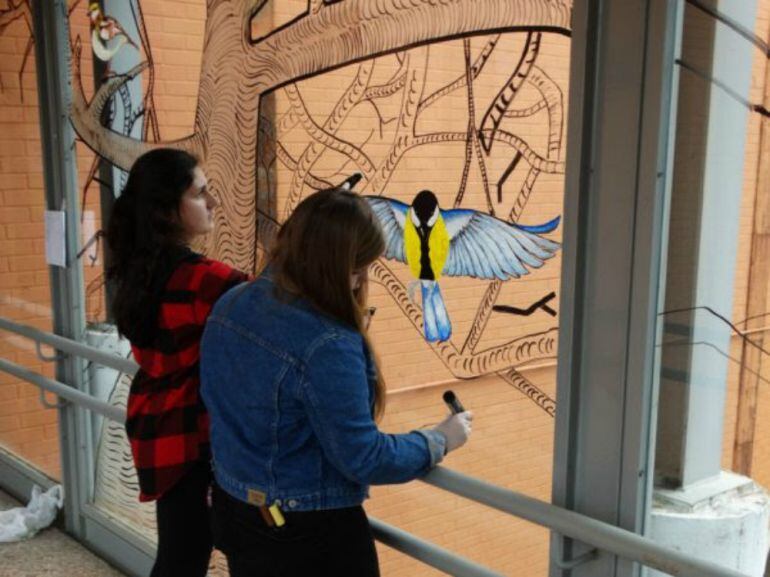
449	114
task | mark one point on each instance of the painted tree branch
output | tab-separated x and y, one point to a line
148	102
385	90
416	69
324	137
552	96
348	31
534	159
476	69
16	11
554	99
495	113
86	119
540	398
472	139
394	84
528	111
474	134
468	366
493	289
288	121
313	151
288	161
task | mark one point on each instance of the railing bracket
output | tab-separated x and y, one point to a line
47	405
43	357
566	565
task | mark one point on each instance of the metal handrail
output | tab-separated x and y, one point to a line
585	529
69	346
427	552
64	391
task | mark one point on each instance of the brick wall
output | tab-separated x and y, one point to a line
25	427
761	460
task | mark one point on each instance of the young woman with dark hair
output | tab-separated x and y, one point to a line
294	389
164	292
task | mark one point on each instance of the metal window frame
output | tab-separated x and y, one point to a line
608	481
618	159
67	291
18	476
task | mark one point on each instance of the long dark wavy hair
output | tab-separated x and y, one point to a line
331	234
143	229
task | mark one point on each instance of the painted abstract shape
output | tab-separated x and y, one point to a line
103	30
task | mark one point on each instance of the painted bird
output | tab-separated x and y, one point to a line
103	29
457	242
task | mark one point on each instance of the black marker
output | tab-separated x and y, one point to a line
351	181
453	402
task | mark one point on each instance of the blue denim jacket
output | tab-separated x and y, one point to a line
290	395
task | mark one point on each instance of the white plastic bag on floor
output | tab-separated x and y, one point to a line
23	522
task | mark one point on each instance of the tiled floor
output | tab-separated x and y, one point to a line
50	553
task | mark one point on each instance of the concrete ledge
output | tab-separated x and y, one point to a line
723	519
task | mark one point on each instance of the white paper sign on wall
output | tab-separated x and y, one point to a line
55	238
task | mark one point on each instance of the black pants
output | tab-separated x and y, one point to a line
334	542
184	527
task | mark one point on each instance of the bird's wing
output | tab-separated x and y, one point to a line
391	213
486	247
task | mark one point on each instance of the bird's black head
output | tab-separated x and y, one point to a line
424	206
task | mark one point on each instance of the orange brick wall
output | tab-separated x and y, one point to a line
25	427
761	461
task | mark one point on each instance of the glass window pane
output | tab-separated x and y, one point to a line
713	317
27	428
402	120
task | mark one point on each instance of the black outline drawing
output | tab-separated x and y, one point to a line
537	305
248	216
14	11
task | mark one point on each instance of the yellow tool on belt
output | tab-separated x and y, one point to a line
277	516
272	515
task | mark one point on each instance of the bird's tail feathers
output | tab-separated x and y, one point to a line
435	318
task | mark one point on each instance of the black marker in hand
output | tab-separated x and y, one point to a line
453	402
456	428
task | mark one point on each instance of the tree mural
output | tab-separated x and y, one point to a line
239	139
18	10
256	124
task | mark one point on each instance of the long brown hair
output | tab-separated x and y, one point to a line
331	234
143	226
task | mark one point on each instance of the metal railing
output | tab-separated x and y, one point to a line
580	527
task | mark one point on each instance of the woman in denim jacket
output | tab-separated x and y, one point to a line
293	389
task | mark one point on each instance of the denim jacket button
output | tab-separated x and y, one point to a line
292	503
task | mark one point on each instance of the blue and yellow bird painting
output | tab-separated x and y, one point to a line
436	242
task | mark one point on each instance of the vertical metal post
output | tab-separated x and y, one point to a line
705	226
52	53
617	155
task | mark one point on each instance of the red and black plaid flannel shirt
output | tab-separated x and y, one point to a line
167	424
